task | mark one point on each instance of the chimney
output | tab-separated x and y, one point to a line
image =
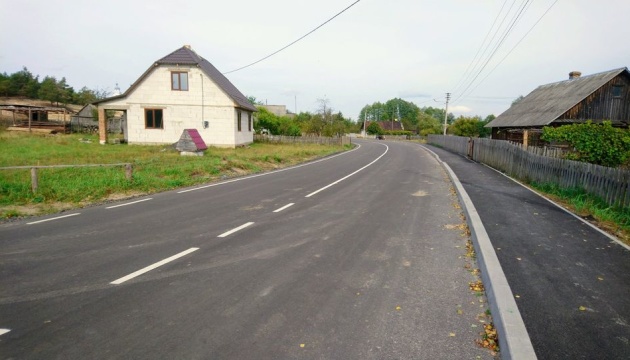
574	75
187	46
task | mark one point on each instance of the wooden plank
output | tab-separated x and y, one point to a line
42	131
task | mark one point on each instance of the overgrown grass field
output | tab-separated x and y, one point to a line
155	168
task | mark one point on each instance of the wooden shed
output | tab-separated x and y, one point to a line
598	97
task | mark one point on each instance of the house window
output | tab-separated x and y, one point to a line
238	120
153	119
617	91
179	81
249	122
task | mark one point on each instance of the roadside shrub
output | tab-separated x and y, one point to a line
600	144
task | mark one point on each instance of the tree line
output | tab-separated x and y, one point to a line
323	122
326	122
422	121
24	83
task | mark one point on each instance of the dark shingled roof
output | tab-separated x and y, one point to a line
186	56
548	102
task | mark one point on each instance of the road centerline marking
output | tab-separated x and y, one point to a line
235	229
349	175
4	331
153	266
129	203
51	219
284	207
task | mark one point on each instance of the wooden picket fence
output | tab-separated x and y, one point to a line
610	184
322	140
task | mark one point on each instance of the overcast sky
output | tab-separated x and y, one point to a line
375	51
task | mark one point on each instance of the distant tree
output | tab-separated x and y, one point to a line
374	129
427	124
465	126
315	125
5	84
438	114
254	101
49	90
23	83
84	96
287	127
489	118
267	121
483	130
55	91
517	100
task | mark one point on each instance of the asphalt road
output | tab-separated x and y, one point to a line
357	256
570	281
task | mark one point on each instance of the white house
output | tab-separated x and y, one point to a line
182	91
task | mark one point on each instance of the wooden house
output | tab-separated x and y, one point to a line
598	97
182	91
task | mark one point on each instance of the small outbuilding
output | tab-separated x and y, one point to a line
598	97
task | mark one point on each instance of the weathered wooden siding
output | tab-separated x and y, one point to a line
602	105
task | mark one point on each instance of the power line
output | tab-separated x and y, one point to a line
302	37
488	46
509	52
507	31
465	75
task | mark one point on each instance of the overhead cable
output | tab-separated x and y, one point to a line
514	47
505	34
302	37
465	74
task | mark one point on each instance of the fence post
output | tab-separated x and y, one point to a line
129	172
34	184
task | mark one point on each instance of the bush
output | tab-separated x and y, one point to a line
600	144
374	129
399	132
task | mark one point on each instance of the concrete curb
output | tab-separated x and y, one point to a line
514	340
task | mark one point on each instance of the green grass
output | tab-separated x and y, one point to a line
612	218
155	168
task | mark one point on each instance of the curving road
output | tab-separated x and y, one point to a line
356	256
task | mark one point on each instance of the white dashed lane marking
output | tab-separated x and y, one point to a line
235	229
151	267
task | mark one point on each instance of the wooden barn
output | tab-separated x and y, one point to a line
598	97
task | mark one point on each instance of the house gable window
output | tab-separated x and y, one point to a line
179	81
617	91
153	119
249	122
238	119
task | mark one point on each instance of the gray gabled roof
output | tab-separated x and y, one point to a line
186	56
548	102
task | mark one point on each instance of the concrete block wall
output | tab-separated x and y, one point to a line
183	110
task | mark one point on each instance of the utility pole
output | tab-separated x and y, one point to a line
448	97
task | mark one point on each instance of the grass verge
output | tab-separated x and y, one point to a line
612	219
155	169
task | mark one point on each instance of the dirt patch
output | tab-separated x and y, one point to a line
21	211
